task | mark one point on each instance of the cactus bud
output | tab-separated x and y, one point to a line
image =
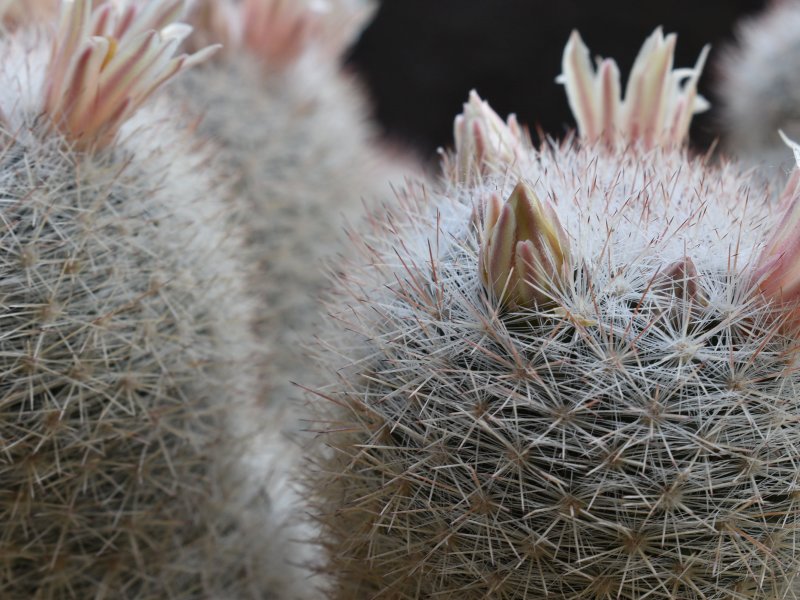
483	140
106	62
525	251
680	279
658	105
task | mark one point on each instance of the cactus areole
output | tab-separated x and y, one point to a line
573	374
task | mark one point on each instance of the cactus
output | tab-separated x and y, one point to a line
125	328
759	89
291	128
571	375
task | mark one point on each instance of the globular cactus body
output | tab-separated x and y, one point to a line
291	130
125	330
589	392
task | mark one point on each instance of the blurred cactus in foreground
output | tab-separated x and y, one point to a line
573	375
125	333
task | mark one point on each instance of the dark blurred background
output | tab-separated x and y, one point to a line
420	58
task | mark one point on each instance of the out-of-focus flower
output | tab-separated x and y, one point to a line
777	270
215	22
659	101
483	141
106	61
525	255
18	13
279	31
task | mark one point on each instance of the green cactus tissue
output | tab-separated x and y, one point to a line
568	372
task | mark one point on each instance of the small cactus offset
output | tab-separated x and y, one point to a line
573	374
125	333
759	87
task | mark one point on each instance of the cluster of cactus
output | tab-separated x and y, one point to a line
759	88
127	392
569	371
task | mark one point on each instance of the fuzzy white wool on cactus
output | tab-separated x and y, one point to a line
625	428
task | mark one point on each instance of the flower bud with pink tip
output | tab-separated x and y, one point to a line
525	254
106	61
659	101
483	141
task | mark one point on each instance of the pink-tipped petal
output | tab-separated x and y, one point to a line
500	255
777	270
107	60
659	101
609	100
484	142
579	80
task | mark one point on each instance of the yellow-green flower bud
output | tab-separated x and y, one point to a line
525	254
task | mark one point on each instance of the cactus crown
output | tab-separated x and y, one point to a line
588	391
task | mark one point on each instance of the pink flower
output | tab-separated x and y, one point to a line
659	100
280	31
19	13
108	60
